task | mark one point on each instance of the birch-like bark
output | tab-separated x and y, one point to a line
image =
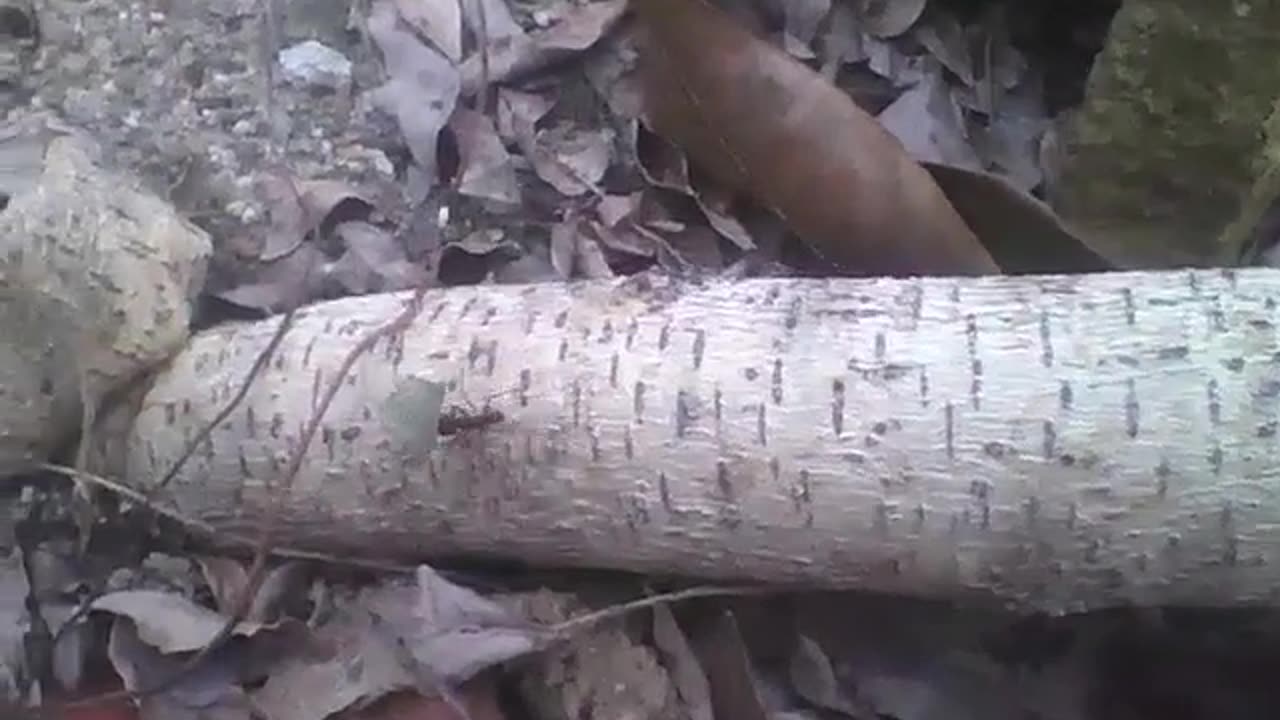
1061	442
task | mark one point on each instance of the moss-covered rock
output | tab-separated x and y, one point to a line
1176	150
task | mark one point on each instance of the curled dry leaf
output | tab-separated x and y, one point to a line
485	169
804	17
943	36
574	254
288	224
512	58
612	209
519	112
276	286
661	163
169	622
715	203
890	18
570	159
422	88
374	261
611	71
360	667
1022	233
227	578
930	125
761	122
300	207
841	42
683	666
449	633
210	690
815	680
665	165
886	60
735	690
439	21
13	623
497	24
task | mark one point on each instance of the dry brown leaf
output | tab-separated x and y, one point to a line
943	36
576	255
360	666
288	222
716	204
439	21
735	691
169	622
683	666
661	163
209	692
421	90
611	71
886	60
519	112
815	680
497	23
612	209
930	125
1022	233
294	279
624	239
227	578
485	170
763	123
573	160
373	262
516	56
804	17
890	18
329	202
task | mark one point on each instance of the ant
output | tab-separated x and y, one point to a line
455	419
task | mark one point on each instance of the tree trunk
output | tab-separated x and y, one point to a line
1061	443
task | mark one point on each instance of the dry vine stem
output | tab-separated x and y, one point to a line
1059	442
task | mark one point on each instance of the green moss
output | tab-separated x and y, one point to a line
1171	145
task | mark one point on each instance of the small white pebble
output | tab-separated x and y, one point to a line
243	127
382	163
442	216
314	63
156	17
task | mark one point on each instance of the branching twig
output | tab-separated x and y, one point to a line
200	526
258	364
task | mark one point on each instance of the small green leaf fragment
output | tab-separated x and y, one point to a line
411	415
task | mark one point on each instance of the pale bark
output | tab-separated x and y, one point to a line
1061	442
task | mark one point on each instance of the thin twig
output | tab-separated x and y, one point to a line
210	531
594	618
264	543
260	362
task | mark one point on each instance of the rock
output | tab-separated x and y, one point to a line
315	64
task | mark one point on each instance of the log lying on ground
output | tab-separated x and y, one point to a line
1057	442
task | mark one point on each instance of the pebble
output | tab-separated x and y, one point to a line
314	63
